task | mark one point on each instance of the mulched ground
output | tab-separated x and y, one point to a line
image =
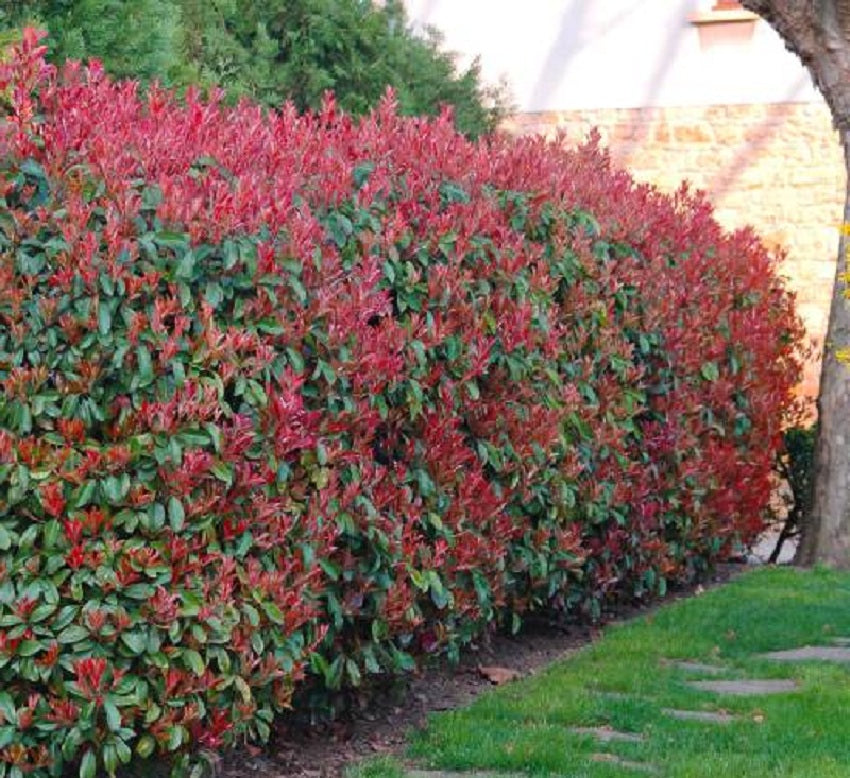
381	728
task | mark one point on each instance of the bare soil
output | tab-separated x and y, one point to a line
382	726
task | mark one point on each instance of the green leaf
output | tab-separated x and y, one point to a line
194	661
145	365
104	319
175	739
33	169
172	240
110	759
136	642
186	266
331	569
274	613
709	371
213	294
113	715
139	591
243	689
361	173
176	514
124	752
71	742
403	661
5	539
439	595
72	634
231	254
257	643
214	434
88	765
84	495
224	472
7	706
251	612
65	616
192	603
295	359
353	672
451	192
29	648
42	612
25	424
192	438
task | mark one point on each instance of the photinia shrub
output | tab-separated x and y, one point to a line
291	401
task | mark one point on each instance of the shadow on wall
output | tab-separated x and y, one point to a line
571	39
723	181
573	36
568	43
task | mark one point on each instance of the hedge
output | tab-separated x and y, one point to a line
290	402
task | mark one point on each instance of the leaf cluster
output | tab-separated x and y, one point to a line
290	402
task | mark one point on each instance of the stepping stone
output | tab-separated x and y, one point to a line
746	687
698	667
821	653
643	767
443	774
841	641
706	716
608	735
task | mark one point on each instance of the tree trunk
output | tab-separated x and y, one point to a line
826	536
818	31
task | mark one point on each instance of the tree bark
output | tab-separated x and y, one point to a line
818	31
826	535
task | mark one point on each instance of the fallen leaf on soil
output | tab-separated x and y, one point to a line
498	675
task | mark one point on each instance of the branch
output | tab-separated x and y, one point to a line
796	21
765	8
818	31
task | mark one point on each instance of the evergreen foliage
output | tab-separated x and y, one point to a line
270	51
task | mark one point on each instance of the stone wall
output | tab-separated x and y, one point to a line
777	167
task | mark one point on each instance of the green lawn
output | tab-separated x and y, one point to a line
525	727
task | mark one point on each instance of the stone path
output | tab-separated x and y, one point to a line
626	764
608	735
837	652
705	716
443	774
746	687
823	653
699	667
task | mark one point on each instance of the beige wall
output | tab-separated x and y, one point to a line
571	54
776	167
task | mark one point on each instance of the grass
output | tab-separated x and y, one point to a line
524	727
